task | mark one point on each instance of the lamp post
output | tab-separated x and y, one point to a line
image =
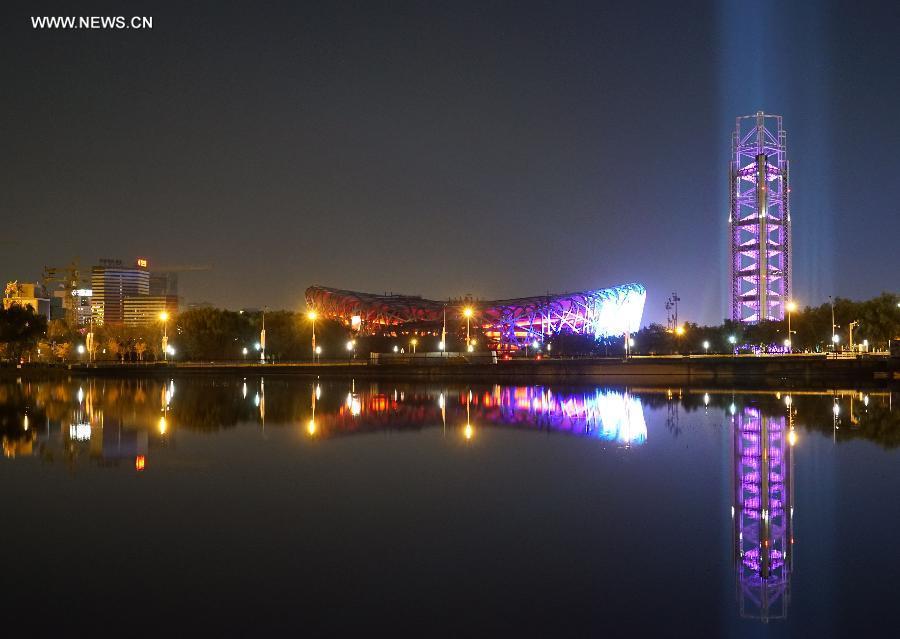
834	337
164	318
467	311
413	343
790	307
733	341
312	315
443	344
262	338
351	345
706	347
317	353
850	327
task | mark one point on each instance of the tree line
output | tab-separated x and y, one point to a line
876	321
202	334
212	334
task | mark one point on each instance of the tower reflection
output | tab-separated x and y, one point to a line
763	513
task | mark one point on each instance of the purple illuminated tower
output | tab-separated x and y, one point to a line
763	514
760	219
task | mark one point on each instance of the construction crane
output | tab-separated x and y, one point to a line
70	280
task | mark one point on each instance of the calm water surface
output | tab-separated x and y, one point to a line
246	506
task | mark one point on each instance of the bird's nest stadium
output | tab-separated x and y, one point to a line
505	324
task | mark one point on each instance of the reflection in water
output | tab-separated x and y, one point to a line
110	421
606	414
763	512
609	415
126	423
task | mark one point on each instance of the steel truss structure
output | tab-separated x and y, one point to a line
506	324
762	514
760	219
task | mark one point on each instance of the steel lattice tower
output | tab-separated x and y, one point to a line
762	513
760	219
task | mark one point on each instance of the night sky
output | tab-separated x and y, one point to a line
498	149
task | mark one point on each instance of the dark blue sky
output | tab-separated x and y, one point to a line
498	149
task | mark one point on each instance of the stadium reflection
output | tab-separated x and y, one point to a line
132	423
610	415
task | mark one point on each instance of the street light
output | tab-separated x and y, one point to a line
318	352
312	315
733	340
413	343
164	318
351	345
790	307
467	312
706	346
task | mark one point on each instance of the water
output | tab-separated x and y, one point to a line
329	507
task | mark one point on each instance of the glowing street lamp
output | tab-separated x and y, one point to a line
790	307
351	349
467	312
164	318
312	315
317	352
413	342
733	340
706	346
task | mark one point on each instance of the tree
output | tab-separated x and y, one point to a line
61	350
20	329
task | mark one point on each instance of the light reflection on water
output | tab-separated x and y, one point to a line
126	423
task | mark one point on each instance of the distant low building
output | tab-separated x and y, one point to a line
75	304
143	310
27	294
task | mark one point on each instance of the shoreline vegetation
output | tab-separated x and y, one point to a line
211	334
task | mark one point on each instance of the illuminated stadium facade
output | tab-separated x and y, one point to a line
506	324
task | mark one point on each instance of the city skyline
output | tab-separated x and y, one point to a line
445	152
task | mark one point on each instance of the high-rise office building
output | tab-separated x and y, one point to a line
112	282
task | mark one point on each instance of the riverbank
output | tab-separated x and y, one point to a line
713	370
